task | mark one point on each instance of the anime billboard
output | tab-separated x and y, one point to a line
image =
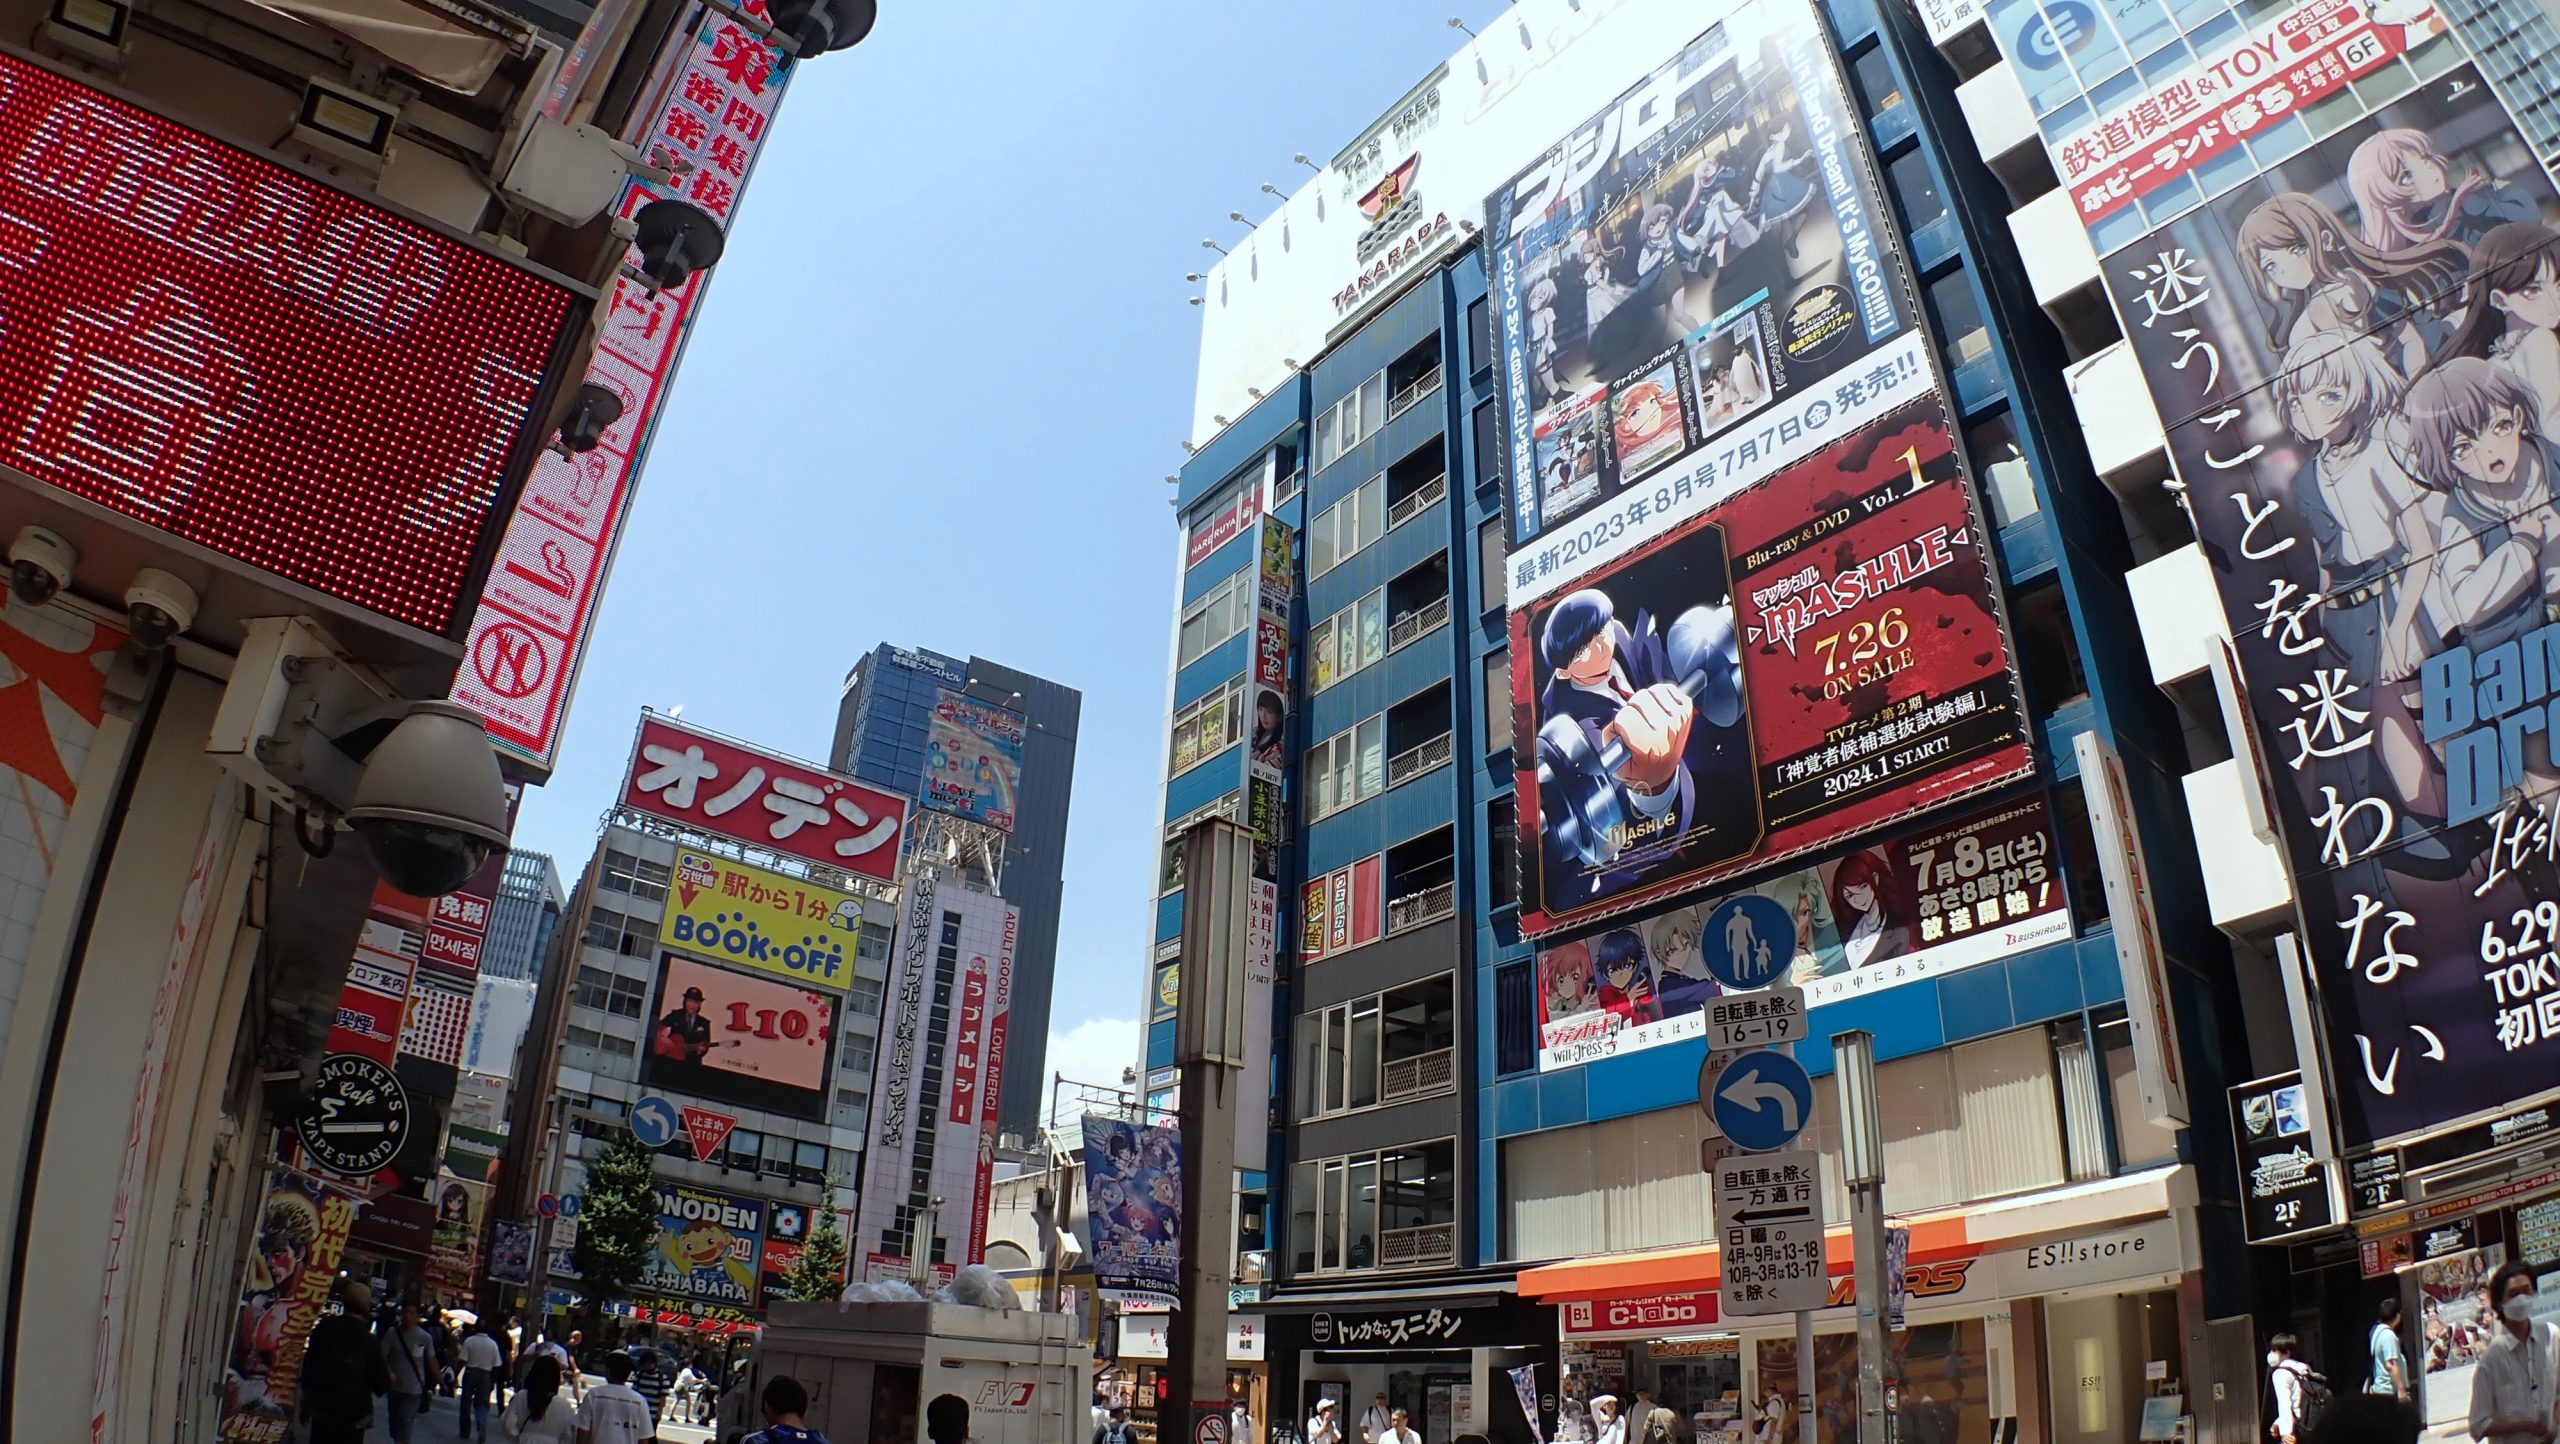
2357	355
1696	269
1921	905
1133	1187
1797	665
706	1247
973	760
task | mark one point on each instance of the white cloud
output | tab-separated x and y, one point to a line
1094	1051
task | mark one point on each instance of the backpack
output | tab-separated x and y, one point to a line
2316	1397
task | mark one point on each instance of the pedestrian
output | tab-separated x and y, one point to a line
946	1420
1240	1422
2289	1380
1115	1428
651	1381
2512	1384
1612	1425
615	1412
688	1393
1101	1411
1660	1424
482	1362
342	1370
573	1364
448	1354
2390	1371
1323	1427
539	1415
1373	1424
409	1361
785	1404
1399	1429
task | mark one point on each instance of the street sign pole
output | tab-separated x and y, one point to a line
1862	1161
1806	1430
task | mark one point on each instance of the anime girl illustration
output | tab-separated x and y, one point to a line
2474	439
1681	970
2513	316
1868	896
1626	982
1564	981
454	1206
2407	197
1602	290
2316	276
1542	337
1780	193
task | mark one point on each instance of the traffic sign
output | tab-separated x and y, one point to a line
1750	942
571	1205
548	1206
1764	1019
1762	1101
707	1129
654	1122
1769	1232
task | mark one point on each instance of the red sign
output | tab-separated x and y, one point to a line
707	1129
994	1089
1344	908
221	348
1227	523
1650	1314
697	780
972	1037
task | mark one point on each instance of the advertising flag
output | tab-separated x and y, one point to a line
1133	1201
302	1231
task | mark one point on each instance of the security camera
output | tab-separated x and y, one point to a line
157	607
591	412
675	240
819	26
431	806
40	564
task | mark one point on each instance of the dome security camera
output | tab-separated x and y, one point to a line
40	564
157	608
592	413
675	240
820	26
431	806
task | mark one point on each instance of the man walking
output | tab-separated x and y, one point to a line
614	1412
342	1370
785	1404
408	1361
2390	1371
1373	1425
651	1382
2512	1387
482	1362
1399	1429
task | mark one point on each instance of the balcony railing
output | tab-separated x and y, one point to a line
1421	386
1433	1243
1413	1077
1411	625
1417	501
1427	906
1415	761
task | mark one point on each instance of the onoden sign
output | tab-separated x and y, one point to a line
732	913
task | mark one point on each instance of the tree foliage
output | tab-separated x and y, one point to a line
619	1223
817	1276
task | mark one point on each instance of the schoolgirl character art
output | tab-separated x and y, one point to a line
1603	291
1878	914
1713	230
1564	981
2474	439
2513	316
1542	336
2315	275
1682	983
1626	982
1780	193
2407	195
454	1206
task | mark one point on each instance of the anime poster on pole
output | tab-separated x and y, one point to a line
1801	663
293	1262
1133	1206
1697	264
2357	356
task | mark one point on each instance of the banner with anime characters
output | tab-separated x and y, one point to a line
707	1246
1701	271
1133	1208
1921	905
1804	662
2357	355
292	1263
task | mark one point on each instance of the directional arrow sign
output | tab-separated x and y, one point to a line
655	1122
1769	1233
1764	1019
1762	1101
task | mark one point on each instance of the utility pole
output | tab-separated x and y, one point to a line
1209	1046
1853	1061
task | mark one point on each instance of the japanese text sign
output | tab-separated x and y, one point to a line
694	779
208	343
1764	1018
706	1247
756	918
1769	1233
739	1038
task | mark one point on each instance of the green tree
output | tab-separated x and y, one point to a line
620	1221
817	1276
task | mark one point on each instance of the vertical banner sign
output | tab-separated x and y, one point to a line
530	633
2284	1183
1275	592
374	1001
991	1093
285	1283
2159	1066
2356	381
1133	1200
1524	1382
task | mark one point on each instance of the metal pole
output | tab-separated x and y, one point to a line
1805	1431
1209	1049
1862	1160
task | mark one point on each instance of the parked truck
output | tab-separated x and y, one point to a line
876	1371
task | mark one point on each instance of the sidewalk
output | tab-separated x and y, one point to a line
443	1425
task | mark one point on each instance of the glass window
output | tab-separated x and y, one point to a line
809	1163
1497	701
1208	727
1878	90
1337	1034
2009	1117
745	1150
1502	837
1339	531
1330	1240
1363	1084
2007	488
1915	191
1302	1217
1515	1015
1488	444
1961	337
1347	641
1214	618
862	996
1489	580
1360	1229
1479	334
1347	768
874	943
595	987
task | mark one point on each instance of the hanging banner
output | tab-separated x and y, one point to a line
1524	1382
293	1262
1133	1192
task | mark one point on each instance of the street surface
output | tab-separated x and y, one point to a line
443	1425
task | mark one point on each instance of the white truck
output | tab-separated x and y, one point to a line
876	1371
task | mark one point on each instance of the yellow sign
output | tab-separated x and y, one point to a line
727	912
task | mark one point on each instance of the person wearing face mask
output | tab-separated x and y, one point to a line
2512	1389
2289	1380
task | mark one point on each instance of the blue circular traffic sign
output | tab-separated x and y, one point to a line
1763	1100
1750	942
655	1121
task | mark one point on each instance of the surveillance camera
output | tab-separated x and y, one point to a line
675	240
819	26
157	607
40	564
431	806
591	413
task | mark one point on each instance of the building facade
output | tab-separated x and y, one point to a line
522	919
1488	1098
880	737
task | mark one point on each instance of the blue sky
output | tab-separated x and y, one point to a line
938	381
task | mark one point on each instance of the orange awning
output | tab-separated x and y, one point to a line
1695	1267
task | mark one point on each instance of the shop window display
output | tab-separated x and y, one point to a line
1946	1389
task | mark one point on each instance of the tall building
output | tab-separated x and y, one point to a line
522	918
1698	568
881	738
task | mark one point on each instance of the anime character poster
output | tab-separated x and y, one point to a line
2455	1326
1798	665
1133	1206
1703	248
1923	904
973	759
293	1261
706	1248
511	1252
453	1255
2357	355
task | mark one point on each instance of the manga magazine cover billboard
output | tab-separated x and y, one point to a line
1927	903
1799	664
2357	356
1133	1208
1701	270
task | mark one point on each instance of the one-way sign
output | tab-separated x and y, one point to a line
1740	1021
1769	1227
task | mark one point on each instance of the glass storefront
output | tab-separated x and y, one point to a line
1945	1396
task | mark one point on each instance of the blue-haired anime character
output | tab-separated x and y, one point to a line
1626	976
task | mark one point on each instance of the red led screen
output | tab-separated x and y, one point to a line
207	342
